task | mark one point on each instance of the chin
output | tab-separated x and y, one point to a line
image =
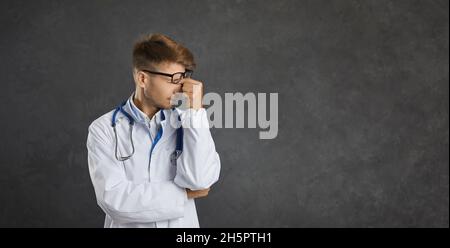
166	105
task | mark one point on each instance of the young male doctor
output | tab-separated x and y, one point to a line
145	168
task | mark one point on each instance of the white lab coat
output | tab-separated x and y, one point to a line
148	191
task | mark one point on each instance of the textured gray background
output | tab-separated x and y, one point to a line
363	107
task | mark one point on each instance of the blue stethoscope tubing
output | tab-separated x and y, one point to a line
131	121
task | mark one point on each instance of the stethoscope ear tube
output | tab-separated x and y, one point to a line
113	124
117	141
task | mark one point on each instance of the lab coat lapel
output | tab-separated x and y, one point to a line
168	130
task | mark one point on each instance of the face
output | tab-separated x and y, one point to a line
157	89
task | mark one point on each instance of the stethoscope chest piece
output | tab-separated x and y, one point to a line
174	156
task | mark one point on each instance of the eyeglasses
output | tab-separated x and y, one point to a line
174	78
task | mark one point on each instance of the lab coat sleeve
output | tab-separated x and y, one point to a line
198	166
123	200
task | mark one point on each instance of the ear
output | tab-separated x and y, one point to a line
140	79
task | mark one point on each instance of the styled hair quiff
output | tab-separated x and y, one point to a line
156	48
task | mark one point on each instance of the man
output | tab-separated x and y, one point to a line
139	179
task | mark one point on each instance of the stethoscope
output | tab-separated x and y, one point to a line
131	121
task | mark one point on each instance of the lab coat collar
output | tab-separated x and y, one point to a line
162	116
137	114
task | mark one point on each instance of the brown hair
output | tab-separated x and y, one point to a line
158	48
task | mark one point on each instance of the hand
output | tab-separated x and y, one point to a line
194	90
197	193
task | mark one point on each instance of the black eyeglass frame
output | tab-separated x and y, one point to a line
186	74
